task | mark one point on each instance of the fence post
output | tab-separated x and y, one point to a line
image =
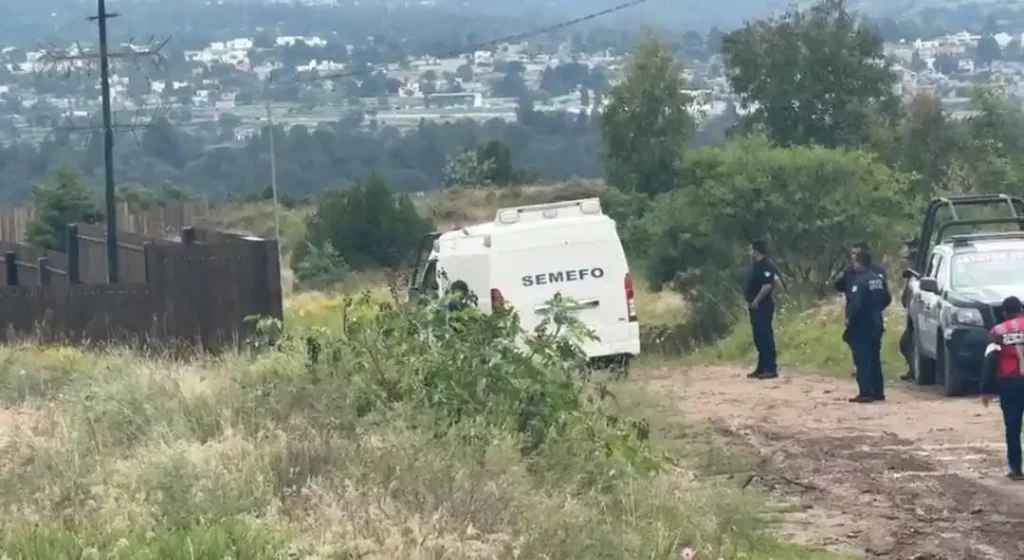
147	249
11	266
74	272
44	271
188	235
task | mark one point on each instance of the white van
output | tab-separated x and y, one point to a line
530	253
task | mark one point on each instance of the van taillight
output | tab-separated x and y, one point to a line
497	300
630	298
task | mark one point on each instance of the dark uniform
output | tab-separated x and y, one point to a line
845	282
868	297
763	273
1003	375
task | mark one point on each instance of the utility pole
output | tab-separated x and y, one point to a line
273	174
113	270
74	59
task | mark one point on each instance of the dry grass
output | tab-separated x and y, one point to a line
115	454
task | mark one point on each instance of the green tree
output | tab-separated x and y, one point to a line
367	226
813	77
66	200
917	64
647	123
490	164
988	51
808	202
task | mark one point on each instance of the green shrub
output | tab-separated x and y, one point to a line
367	225
321	267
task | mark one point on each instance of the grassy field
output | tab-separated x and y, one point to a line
121	455
810	340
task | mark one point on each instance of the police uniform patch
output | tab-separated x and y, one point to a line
853	289
767	274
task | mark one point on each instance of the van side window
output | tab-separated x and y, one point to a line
430	276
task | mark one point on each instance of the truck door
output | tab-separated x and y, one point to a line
928	307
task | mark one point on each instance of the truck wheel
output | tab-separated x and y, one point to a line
924	368
953	382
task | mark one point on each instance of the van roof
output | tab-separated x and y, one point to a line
536	216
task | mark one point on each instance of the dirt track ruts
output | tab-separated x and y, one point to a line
920	476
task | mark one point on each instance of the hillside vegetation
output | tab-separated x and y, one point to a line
364	428
384	445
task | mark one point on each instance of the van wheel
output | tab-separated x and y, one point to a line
924	368
618	366
621	366
952	381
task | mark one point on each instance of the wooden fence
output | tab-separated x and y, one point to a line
154	222
199	290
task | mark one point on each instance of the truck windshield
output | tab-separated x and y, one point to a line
977	270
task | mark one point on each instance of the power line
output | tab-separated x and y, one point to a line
486	44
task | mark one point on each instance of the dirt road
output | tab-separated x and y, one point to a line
918	477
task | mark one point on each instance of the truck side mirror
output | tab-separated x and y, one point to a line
910	273
929	285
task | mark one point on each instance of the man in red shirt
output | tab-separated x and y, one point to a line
1003	375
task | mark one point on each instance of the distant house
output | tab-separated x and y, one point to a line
441	100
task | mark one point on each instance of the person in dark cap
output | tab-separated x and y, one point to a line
459	297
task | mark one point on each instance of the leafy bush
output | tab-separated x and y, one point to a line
809	203
412	432
67	200
321	267
366	225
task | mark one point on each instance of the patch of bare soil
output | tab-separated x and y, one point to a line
920	476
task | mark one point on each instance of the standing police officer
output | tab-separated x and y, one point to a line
758	294
846	281
868	297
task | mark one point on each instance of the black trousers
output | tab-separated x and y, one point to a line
867	357
907	347
1011	400
764	338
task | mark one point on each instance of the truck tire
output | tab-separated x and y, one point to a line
924	368
952	380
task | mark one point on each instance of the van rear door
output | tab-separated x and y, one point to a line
591	271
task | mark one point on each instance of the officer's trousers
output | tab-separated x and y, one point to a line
867	357
1011	400
907	347
764	338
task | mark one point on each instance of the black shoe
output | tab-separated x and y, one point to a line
769	375
1014	476
861	399
755	374
909	376
879	398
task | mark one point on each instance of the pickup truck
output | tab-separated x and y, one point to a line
956	282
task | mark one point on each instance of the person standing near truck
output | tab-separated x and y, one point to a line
907	339
758	294
868	297
846	281
1003	376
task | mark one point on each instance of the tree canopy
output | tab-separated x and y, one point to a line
811	76
648	121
